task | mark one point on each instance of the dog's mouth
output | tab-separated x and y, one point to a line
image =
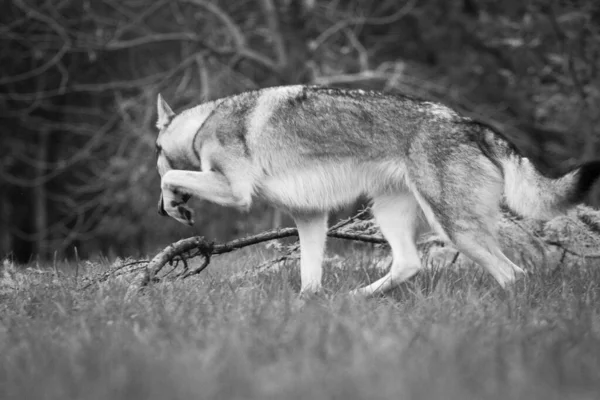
161	206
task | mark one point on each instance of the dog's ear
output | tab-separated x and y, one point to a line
165	114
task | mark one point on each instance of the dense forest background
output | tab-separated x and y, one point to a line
79	80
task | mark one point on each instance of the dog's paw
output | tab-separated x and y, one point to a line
174	205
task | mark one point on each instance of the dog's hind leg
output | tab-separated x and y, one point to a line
469	215
482	247
397	215
312	232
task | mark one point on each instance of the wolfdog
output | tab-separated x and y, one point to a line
308	150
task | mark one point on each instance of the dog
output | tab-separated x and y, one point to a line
308	150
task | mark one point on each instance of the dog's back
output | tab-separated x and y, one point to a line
339	144
316	148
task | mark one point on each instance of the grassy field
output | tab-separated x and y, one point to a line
445	335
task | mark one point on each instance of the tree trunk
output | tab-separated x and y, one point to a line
40	197
5	212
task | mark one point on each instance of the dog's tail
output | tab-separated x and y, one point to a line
527	191
530	193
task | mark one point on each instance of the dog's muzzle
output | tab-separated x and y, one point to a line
161	206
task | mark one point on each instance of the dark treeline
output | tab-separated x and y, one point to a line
79	79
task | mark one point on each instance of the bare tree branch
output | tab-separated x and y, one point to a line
239	40
273	23
401	13
55	26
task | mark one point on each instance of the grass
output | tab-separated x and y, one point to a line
450	334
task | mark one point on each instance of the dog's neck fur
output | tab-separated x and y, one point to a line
178	139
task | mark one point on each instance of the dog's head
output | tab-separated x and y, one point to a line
177	138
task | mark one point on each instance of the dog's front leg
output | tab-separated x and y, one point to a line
312	232
178	186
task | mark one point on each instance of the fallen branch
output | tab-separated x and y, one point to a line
198	246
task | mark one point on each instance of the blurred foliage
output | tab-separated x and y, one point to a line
79	79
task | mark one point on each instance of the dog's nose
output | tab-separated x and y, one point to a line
161	206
